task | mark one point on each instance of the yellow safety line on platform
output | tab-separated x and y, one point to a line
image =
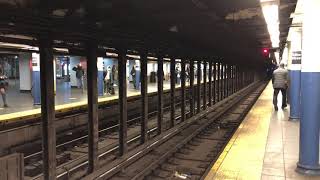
243	156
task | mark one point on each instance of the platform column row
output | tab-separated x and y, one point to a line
220	80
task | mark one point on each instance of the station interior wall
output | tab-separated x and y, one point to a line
26	79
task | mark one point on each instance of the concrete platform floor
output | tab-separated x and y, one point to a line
265	146
65	97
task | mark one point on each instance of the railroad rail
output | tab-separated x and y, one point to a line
78	144
72	152
183	151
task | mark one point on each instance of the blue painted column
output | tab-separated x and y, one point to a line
295	73
36	90
294	93
310	88
100	76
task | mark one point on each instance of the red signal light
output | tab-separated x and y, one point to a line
265	52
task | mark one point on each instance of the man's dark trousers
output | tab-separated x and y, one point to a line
284	96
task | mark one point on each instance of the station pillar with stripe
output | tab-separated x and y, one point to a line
35	87
310	88
295	73
100	76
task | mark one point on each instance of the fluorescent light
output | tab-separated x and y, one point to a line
133	56
65	50
153	58
111	54
270	11
19	46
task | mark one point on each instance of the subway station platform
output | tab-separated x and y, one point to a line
21	104
265	146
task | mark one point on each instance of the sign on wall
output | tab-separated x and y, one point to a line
35	62
296	57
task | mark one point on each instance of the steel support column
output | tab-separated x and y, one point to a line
225	94
172	91
144	97
214	82
122	65
238	75
229	80
246	77
226	80
93	130
198	86
221	81
191	88
204	90
183	90
210	83
47	109
218	82
240	78
234	79
160	94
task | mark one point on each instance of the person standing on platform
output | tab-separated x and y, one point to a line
108	79
114	75
133	74
3	87
177	74
280	83
79	75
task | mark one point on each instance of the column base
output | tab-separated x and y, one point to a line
294	118
308	170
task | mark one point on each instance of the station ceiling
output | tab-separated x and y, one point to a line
234	30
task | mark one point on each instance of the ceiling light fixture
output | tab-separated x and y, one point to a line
270	9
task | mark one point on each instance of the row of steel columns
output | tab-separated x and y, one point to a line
224	80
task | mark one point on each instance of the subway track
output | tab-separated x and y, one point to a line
183	153
192	158
72	147
76	148
71	155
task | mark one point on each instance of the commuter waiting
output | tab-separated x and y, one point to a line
3	86
280	83
79	75
133	74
